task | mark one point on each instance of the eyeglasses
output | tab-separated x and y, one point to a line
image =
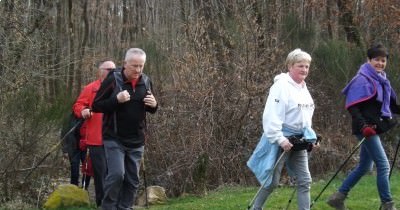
108	69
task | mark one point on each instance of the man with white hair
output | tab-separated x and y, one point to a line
124	98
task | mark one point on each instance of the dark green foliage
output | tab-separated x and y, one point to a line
336	62
29	123
297	34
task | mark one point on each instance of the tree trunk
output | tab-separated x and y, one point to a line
346	20
71	46
57	51
329	20
83	45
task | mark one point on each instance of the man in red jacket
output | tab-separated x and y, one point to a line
91	131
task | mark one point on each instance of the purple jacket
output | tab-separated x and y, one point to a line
367	84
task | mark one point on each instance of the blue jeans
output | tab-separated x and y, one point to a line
122	179
371	152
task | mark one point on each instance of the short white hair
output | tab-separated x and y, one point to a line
134	52
296	56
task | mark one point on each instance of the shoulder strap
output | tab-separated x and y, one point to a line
147	82
119	81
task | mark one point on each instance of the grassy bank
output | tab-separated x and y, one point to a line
363	196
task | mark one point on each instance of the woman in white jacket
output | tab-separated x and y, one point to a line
288	112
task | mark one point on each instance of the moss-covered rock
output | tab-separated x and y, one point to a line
67	195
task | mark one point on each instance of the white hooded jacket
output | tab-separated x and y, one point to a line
288	105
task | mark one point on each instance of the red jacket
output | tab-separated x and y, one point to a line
91	130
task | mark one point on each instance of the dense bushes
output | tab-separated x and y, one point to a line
212	63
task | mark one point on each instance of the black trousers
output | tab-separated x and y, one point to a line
76	157
99	169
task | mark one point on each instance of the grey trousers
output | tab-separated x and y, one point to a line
297	162
122	180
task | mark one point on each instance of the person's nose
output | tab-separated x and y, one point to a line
138	69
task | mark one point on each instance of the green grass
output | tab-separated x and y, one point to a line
363	196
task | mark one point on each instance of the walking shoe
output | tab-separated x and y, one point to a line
388	206
336	200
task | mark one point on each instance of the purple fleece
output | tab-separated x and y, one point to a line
365	85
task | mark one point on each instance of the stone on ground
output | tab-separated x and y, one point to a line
67	195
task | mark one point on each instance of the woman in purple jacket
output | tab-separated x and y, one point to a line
371	102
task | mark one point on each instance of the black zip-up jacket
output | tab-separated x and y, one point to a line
129	117
369	113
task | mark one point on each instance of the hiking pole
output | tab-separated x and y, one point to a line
337	171
145	183
317	142
53	149
266	180
291	197
84	175
394	160
395	156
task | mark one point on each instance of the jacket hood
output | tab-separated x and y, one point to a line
281	76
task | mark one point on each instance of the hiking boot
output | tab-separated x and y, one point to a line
336	200
388	206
